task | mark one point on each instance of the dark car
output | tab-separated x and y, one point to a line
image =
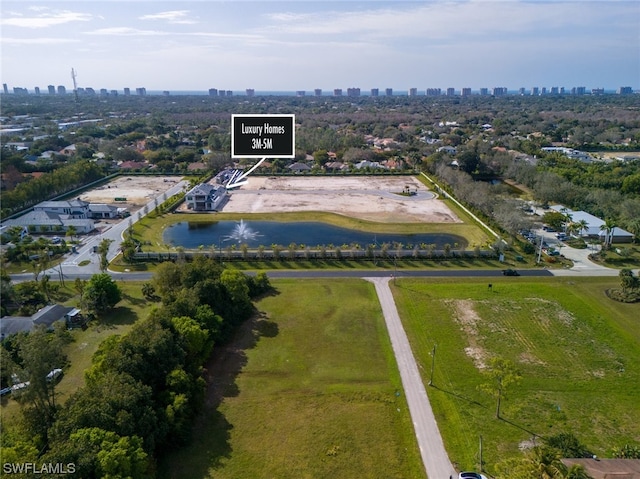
510	272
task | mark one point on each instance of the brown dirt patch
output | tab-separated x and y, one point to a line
138	190
368	198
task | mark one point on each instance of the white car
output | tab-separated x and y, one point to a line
54	374
471	475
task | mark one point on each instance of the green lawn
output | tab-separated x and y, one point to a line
308	390
578	353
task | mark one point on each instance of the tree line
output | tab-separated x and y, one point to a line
143	389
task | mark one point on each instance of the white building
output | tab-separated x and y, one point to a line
593	225
205	197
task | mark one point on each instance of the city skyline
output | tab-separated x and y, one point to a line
290	46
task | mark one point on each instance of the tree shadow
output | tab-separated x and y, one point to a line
209	443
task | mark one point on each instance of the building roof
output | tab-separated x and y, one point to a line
102	207
46	316
593	222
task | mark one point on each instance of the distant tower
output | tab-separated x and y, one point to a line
127	91
37	90
5	89
317	92
413	92
52	90
75	85
62	90
375	92
250	92
213	92
388	91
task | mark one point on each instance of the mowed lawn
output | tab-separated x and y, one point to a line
309	389
578	353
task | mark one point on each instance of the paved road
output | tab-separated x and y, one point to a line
434	456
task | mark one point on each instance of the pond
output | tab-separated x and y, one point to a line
221	234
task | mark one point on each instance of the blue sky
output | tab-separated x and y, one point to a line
302	45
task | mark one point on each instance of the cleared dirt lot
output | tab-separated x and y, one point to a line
138	190
368	198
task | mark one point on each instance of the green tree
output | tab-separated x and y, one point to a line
627	451
568	445
103	252
628	280
608	227
501	373
100	294
40	352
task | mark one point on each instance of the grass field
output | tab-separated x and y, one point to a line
308	390
578	353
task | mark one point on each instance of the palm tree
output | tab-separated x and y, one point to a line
583	225
608	227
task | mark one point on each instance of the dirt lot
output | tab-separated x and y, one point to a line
138	190
369	198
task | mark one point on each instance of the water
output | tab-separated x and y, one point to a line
255	233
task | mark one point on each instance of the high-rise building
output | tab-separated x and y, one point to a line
499	91
229	93
433	92
625	90
337	92
37	90
352	92
413	92
535	91
597	91
250	92
104	92
451	91
20	91
114	92
521	91
543	91
555	90
317	92
578	90
127	91
388	91
375	92
141	91
484	91
52	89
213	92
5	89
62	90
301	93
466	91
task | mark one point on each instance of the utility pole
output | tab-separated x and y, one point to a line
433	362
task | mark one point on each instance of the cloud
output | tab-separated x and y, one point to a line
47	19
125	32
172	16
37	41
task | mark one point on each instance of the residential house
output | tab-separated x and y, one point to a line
299	167
206	197
102	211
47	316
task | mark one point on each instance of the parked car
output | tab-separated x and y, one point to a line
510	272
548	228
471	475
56	240
54	374
561	236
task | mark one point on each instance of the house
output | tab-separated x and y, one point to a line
205	197
78	208
593	225
57	216
299	167
449	150
102	211
69	150
47	316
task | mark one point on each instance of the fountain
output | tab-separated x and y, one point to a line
241	233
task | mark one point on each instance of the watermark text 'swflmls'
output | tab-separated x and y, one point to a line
33	468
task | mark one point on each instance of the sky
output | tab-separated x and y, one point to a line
302	45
